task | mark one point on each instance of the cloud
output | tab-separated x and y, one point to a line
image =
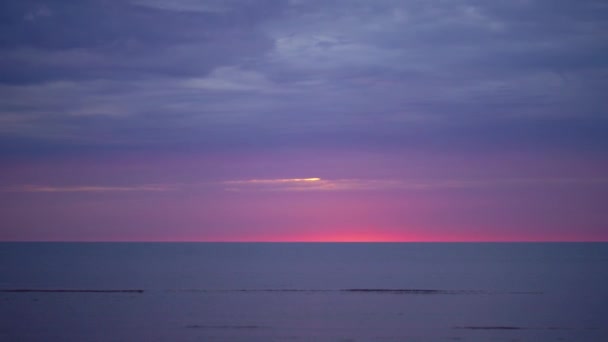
279	184
318	184
229	79
326	52
90	188
91	40
37	13
205	6
276	181
385	73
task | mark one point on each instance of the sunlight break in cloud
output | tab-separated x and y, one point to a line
275	181
280	184
318	184
311	184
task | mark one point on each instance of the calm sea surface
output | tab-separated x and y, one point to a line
303	292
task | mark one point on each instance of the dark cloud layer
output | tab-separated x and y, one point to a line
383	74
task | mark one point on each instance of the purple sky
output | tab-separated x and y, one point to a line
296	120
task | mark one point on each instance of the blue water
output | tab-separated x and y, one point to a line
304	292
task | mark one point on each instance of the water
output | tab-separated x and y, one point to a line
304	292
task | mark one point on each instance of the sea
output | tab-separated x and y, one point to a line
64	292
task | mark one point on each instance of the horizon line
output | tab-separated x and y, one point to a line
302	241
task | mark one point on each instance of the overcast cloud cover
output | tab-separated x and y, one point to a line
387	72
385	92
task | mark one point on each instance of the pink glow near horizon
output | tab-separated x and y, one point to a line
308	198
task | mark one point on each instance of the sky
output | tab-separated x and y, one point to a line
303	120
